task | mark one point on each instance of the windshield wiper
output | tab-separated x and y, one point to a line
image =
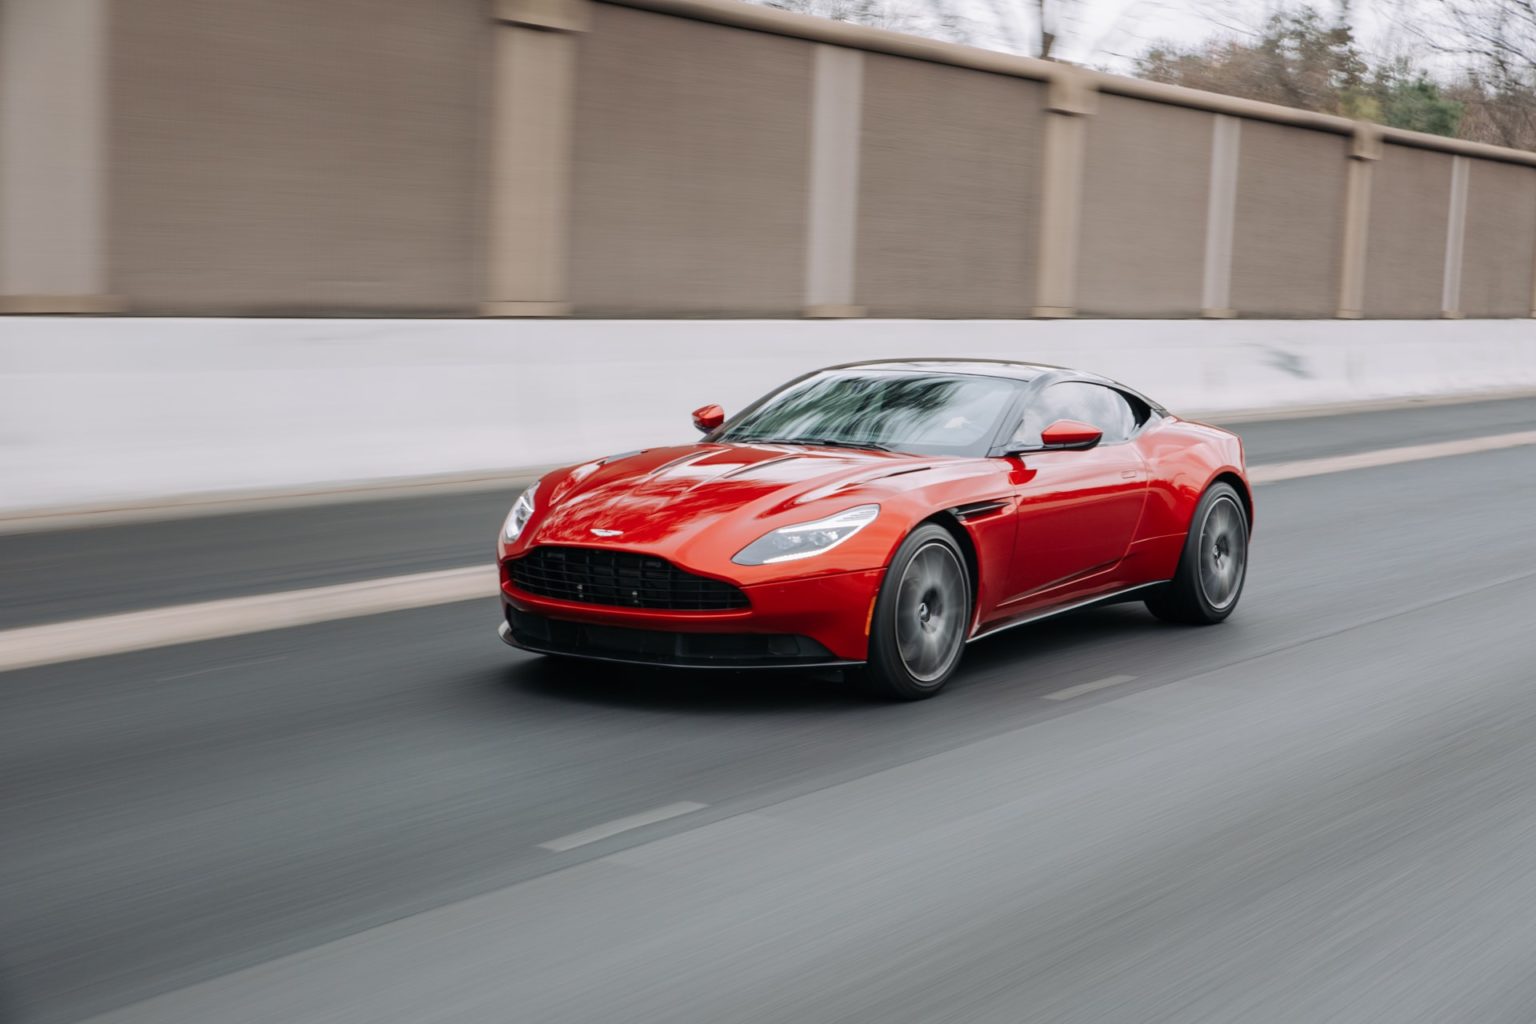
825	442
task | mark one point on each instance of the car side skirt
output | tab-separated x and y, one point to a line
1110	598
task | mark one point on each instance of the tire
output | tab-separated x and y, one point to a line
921	618
1213	565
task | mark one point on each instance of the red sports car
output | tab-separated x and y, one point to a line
880	516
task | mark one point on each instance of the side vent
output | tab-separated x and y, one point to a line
978	509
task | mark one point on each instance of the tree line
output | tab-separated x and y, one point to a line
1480	91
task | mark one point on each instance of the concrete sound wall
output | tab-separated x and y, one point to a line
661	158
100	412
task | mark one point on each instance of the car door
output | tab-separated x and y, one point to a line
1076	512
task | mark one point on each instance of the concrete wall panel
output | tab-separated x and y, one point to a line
291	155
1405	248
949	191
1142	249
1500	247
690	168
1288	233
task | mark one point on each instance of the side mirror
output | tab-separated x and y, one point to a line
1070	435
708	417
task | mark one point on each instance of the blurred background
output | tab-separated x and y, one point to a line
295	296
423	157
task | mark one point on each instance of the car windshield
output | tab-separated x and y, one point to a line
922	413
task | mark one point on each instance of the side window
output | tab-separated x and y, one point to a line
1103	407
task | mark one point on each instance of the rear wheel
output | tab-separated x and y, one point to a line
1214	563
921	618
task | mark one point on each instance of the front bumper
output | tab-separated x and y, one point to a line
805	622
656	647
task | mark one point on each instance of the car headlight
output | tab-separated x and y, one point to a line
802	540
522	511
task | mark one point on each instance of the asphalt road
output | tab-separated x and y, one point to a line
1320	810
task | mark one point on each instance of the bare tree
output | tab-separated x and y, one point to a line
1298	60
1045	14
1034	27
1494	44
1499	33
1077	31
936	19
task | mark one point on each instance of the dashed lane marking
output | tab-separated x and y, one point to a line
1082	688
629	824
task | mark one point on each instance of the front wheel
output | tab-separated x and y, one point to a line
921	618
1214	563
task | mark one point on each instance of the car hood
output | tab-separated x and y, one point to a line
663	496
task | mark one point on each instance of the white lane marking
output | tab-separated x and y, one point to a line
613	828
1267	474
1082	688
31	646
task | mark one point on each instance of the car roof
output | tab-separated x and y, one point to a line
980	367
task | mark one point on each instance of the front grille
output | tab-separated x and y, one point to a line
595	576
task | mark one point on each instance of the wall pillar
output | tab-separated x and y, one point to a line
1070	100
1364	151
527	271
53	128
1220	217
832	227
1455	238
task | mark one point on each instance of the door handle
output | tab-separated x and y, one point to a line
1127	474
